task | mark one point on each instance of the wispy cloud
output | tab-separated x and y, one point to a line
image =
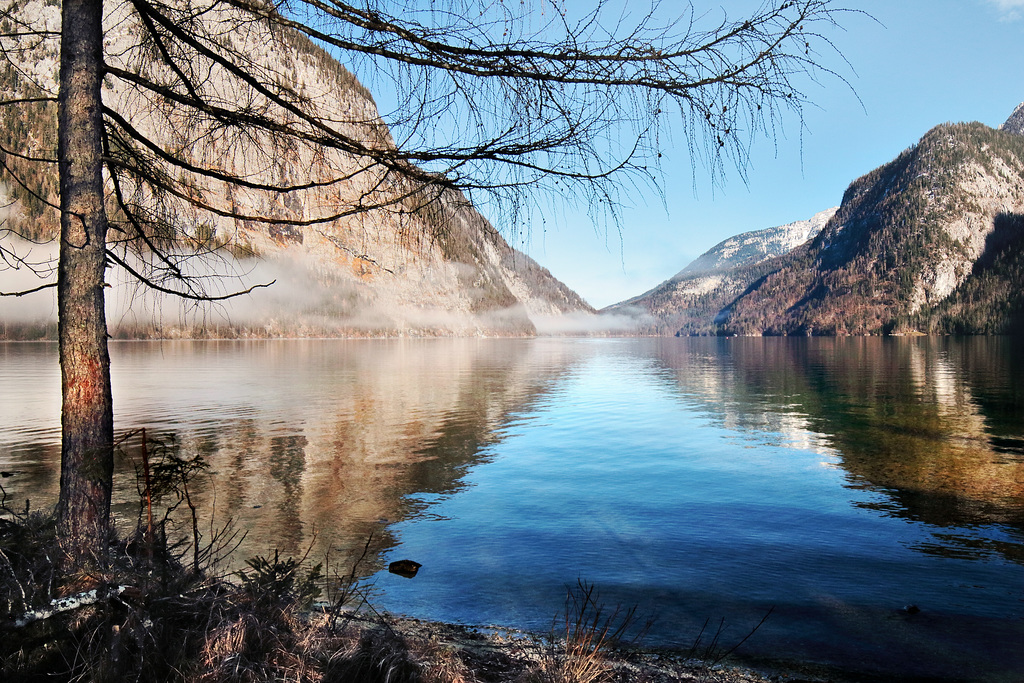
1010	10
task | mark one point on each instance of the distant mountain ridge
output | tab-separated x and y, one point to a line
932	242
690	300
443	270
758	245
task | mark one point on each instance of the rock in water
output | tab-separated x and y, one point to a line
406	568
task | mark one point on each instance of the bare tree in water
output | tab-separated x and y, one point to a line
500	101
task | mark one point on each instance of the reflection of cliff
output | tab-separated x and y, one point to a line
931	423
329	441
311	444
29	446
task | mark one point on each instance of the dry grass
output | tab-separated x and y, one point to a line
582	639
172	624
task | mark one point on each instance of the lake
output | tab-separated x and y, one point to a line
832	481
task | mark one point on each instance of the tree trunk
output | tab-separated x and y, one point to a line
87	422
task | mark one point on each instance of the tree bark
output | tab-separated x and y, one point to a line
87	422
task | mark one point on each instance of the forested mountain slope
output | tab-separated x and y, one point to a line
907	236
991	299
932	242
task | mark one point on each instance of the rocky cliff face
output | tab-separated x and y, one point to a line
689	302
403	269
1015	124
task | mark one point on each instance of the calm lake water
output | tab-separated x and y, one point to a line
834	480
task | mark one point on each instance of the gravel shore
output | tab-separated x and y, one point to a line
495	654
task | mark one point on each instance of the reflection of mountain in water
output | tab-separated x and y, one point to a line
334	439
401	419
933	424
320	442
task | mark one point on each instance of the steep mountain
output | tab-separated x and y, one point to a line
689	302
439	269
991	299
907	236
1015	124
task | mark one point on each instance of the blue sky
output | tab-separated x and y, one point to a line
917	64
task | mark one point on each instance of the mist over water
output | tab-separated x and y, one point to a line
834	480
307	298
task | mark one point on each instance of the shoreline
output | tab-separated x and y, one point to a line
495	653
960	657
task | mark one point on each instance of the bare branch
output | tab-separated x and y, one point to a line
24	292
191	295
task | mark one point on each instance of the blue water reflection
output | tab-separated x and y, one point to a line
710	485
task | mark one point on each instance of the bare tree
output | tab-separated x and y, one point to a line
173	118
